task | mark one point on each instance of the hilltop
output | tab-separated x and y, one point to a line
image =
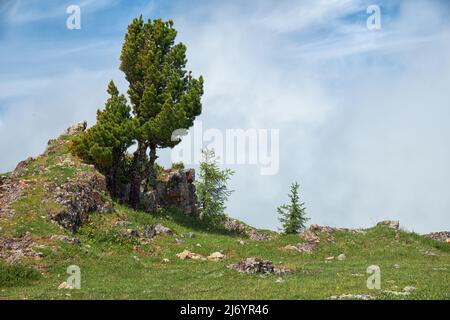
55	211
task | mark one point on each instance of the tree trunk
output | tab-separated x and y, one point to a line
136	175
112	177
151	163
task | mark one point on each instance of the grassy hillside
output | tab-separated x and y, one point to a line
115	264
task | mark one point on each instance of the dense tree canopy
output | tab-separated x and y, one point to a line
105	143
164	97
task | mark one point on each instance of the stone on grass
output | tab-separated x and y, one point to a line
65	239
186	254
257	265
409	288
152	230
216	256
341	257
64	285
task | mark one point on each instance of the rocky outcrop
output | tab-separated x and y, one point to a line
234	225
174	190
76	128
443	236
392	224
81	195
257	265
11	190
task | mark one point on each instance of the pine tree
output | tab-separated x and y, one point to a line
105	143
164	96
212	190
293	215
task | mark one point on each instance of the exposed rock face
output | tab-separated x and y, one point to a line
21	167
257	265
84	193
76	128
392	224
176	191
10	190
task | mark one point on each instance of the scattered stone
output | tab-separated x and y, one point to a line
241	242
131	233
10	191
352	296
302	247
65	239
393	224
235	226
279	280
158	229
443	236
198	245
178	241
257	265
397	293
329	258
341	257
14	249
186	254
165	260
121	223
309	236
255	235
430	254
64	285
396	266
409	288
216	256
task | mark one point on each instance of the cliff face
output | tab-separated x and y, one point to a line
68	190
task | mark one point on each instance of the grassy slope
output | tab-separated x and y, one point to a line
113	267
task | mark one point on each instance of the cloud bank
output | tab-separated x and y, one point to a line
363	115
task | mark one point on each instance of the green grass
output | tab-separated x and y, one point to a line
17	275
117	267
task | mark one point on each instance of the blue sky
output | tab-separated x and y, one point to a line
363	114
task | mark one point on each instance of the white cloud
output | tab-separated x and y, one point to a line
363	115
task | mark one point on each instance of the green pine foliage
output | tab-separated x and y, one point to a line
105	143
164	95
293	215
212	190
